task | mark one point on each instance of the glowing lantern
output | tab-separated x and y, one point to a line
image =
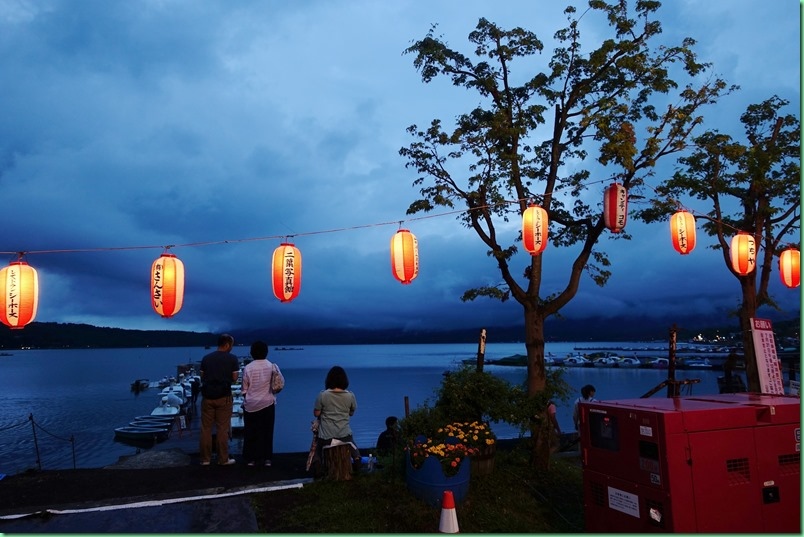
19	285
534	229
789	267
615	207
167	285
682	231
286	272
743	253
404	256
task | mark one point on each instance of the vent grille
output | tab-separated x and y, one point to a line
598	494
789	464
739	471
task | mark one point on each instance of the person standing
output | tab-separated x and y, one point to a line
587	396
259	403
334	406
219	369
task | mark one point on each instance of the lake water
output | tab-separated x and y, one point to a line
85	394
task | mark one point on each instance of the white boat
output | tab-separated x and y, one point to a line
576	361
165	408
659	363
628	362
607	361
236	421
698	364
144	433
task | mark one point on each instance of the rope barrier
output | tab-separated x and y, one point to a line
34	426
14	426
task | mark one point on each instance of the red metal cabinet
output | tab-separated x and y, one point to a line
720	463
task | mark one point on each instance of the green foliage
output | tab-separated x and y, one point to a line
618	102
468	395
513	499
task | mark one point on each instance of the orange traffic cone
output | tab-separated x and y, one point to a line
449	521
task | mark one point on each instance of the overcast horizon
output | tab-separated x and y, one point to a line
227	128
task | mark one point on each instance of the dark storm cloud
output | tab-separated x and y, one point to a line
202	124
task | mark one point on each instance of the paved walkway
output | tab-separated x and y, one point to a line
201	511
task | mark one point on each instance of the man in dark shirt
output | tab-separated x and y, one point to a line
218	370
389	439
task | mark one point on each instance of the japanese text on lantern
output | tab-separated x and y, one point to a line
12	304
768	367
157	290
622	199
290	271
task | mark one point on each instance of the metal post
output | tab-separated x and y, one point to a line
36	442
481	350
407	406
672	386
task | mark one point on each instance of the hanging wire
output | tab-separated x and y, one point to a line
166	248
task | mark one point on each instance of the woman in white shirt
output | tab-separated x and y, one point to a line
259	405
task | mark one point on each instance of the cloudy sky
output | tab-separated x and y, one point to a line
222	127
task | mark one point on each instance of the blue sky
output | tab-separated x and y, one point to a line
153	123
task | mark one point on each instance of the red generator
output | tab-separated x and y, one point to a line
712	463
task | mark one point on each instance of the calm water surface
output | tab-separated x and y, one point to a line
85	394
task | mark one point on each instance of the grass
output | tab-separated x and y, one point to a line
513	499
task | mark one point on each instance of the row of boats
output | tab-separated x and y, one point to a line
609	360
175	401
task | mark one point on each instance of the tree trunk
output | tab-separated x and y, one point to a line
537	382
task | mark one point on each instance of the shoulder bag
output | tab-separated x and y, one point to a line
277	380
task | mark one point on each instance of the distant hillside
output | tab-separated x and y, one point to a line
64	336
60	336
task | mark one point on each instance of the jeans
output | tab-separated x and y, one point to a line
217	412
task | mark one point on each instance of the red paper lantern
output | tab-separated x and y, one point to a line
167	285
19	288
286	272
534	229
404	256
682	231
743	253
789	267
615	207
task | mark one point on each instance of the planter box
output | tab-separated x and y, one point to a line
428	483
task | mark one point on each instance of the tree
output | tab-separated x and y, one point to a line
753	187
599	103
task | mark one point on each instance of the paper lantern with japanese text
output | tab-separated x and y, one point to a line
790	267
404	256
682	231
534	229
615	207
286	272
19	285
743	254
167	285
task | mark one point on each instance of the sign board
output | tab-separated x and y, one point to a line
768	365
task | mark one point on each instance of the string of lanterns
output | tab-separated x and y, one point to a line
19	282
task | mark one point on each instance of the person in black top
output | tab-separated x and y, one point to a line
219	369
389	438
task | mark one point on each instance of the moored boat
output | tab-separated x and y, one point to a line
606	361
165	408
131	432
698	364
576	361
628	362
